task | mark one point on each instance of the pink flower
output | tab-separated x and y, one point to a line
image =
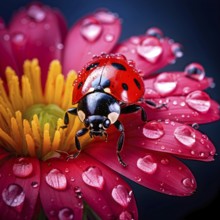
33	174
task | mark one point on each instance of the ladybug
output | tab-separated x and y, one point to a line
106	87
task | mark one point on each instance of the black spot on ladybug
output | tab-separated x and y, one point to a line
91	66
118	66
124	86
79	85
137	83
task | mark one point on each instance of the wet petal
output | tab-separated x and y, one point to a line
173	83
170	137
90	36
57	195
196	107
149	52
106	193
19	193
31	30
158	171
6	53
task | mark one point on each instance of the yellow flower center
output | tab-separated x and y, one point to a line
31	117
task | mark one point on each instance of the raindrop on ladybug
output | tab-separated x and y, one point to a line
105	88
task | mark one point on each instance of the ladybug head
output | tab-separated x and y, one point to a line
97	125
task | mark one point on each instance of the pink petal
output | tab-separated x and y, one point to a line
148	52
90	36
169	137
57	195
36	33
19	194
190	109
158	171
6	54
173	83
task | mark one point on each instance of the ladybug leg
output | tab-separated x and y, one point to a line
120	127
133	108
79	133
151	103
72	111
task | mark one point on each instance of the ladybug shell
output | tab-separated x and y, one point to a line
111	74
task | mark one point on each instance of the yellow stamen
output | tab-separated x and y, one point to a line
27	136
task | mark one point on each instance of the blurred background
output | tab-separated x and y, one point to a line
194	24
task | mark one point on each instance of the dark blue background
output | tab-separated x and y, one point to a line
195	24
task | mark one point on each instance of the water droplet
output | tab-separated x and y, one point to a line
164	161
165	83
147	164
153	130
34	184
56	179
36	13
18	39
185	135
105	16
150	49
188	182
66	214
109	37
195	125
135	40
78	192
155	32
6	37
13	195
121	195
177	50
60	46
22	168
125	215
91	29
199	101
195	71
93	177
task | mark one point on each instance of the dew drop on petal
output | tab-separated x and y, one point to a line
165	83
66	214
34	184
22	168
153	130
147	164
199	100
135	40
150	49
18	39
105	16
91	29
125	215
56	179
109	37
121	195
78	192
13	195
36	13
154	32
195	71
177	50
93	177
188	182
185	135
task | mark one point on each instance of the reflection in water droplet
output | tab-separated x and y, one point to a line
153	130
185	135
78	192
18	39
199	101
13	195
125	215
155	32
93	177
121	195
188	182
91	29
109	37
34	184
66	214
56	179
147	164
195	71
22	168
150	49
36	13
177	50
165	83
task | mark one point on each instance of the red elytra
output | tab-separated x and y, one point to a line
111	73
